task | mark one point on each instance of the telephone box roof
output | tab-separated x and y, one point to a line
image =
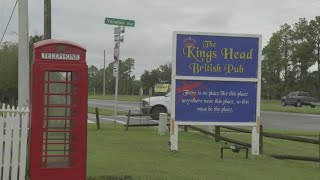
56	41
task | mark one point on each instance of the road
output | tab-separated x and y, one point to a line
121	105
269	120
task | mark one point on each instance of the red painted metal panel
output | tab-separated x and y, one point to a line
59	100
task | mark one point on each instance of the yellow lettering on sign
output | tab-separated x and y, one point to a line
230	54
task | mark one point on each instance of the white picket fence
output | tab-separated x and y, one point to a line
13	142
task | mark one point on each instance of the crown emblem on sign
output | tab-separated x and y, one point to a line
189	42
61	48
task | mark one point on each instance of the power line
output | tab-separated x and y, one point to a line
9	21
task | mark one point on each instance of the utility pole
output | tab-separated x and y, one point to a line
23	55
47	19
104	72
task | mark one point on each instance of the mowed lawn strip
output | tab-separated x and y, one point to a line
141	154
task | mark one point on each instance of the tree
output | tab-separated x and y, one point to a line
161	74
92	73
271	67
315	33
9	73
126	79
303	50
287	59
165	73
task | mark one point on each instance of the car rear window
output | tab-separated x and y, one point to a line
304	94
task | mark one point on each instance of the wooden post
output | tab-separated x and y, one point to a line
261	139
127	125
97	118
217	133
47	19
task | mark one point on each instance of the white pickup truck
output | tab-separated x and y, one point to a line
156	105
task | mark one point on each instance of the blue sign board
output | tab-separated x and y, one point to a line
215	101
217	56
207	72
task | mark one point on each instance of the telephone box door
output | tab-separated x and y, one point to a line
62	128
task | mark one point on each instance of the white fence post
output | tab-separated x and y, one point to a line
23	151
1	136
7	143
163	118
13	142
255	141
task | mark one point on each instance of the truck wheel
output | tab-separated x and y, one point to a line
283	103
298	104
155	112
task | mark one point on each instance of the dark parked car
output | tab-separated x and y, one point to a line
298	99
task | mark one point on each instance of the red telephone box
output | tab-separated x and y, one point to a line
59	98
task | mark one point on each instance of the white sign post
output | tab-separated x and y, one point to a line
117	38
116	62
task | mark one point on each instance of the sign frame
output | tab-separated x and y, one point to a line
174	122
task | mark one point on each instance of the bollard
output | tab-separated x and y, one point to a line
97	118
261	139
162	123
128	120
217	133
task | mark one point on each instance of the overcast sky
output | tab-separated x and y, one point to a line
150	41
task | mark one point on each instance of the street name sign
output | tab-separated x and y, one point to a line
120	22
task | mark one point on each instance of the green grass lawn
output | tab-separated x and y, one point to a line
141	154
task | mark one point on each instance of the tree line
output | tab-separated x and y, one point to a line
128	84
291	60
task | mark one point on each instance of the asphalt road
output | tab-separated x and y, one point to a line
269	120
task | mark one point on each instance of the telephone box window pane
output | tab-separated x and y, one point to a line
60	88
59	112
56	135
57	162
56	150
58	76
57	124
63	100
